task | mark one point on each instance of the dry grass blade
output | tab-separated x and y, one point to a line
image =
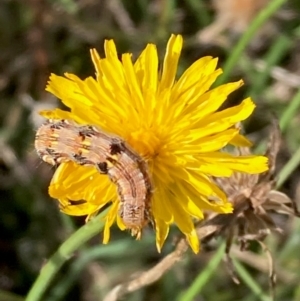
149	276
258	262
121	16
272	150
271	264
283	75
230	268
233	16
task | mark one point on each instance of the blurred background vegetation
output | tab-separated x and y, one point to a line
38	37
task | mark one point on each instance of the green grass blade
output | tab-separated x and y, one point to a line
279	48
203	276
289	167
291	110
117	249
237	51
65	251
250	282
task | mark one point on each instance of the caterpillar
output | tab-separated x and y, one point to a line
59	141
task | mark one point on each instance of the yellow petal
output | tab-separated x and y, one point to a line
162	231
109	220
241	141
170	62
193	241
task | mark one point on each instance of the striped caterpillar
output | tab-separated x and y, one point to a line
60	141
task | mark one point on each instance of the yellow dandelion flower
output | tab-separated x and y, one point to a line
174	125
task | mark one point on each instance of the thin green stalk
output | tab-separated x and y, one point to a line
289	167
118	249
260	19
65	251
252	284
290	112
203	277
290	248
279	48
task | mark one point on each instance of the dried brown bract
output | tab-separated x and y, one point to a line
260	198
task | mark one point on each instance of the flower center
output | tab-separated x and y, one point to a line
146	142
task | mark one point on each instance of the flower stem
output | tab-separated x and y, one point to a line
65	251
260	19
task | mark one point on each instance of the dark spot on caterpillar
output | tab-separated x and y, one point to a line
81	160
86	132
50	151
53	154
57	126
102	167
117	147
